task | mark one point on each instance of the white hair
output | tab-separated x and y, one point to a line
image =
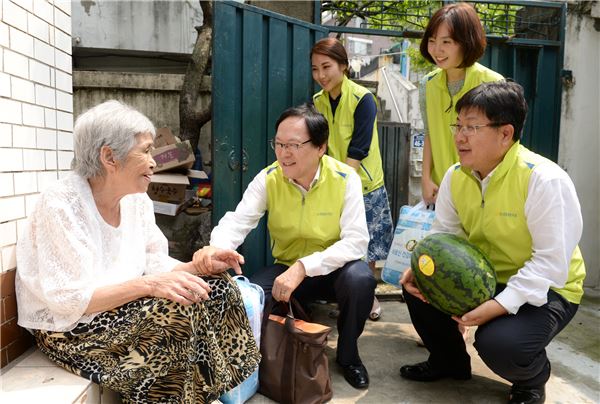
113	124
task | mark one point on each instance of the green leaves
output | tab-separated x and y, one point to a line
386	15
413	15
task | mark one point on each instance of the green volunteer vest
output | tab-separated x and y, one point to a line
298	224
341	127
441	114
497	222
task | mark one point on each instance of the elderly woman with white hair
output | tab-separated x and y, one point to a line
99	292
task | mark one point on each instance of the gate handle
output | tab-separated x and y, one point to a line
233	162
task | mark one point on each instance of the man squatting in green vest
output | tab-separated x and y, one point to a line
318	231
522	210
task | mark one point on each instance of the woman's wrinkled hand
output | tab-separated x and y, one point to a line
211	260
178	286
408	281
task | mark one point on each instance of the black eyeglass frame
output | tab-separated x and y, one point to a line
456	128
293	146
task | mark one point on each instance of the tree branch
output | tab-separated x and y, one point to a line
192	114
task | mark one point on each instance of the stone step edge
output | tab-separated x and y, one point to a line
33	377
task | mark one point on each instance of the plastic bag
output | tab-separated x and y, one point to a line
242	392
414	223
254	302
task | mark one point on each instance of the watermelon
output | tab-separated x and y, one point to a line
454	275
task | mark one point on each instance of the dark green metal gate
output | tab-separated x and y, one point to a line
532	55
537	69
260	67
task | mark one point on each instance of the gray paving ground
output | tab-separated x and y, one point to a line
391	342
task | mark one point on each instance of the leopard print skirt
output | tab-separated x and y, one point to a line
153	350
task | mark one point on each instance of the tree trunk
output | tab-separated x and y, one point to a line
192	115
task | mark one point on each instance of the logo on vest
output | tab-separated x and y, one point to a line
324	213
512	215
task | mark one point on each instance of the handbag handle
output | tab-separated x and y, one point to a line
292	306
290	315
300	313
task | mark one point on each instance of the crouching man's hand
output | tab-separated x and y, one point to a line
287	282
481	314
408	281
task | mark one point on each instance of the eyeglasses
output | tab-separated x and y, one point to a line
470	130
285	146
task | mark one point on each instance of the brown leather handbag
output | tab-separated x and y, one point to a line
294	367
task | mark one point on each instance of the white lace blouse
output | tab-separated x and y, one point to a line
67	250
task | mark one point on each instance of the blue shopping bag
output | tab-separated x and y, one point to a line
254	303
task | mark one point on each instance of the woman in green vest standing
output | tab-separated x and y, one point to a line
351	112
454	40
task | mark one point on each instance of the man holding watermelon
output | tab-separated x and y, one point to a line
522	211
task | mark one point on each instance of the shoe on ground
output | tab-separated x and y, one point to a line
527	395
356	375
424	372
375	314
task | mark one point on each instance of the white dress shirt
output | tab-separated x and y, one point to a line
554	220
354	235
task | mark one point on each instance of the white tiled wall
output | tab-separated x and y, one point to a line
36	109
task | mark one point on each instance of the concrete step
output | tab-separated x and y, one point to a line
33	378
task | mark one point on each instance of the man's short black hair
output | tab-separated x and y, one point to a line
317	126
503	102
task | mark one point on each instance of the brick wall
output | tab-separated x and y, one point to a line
36	122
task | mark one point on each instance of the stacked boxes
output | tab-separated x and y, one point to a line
170	180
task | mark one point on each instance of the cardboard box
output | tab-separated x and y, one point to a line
168	188
164	137
197	177
197	174
170	209
178	155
